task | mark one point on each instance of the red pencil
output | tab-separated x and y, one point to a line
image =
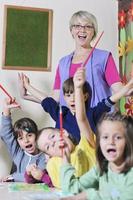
5	91
83	65
61	128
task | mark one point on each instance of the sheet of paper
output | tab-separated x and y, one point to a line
37	191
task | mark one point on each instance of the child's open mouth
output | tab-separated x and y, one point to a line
29	147
111	151
73	105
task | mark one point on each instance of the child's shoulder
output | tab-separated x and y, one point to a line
131	171
129	177
54	164
54	161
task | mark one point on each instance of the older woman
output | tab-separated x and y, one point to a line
101	71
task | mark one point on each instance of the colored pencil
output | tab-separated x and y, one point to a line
5	91
61	128
83	65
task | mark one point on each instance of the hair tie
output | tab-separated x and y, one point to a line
27	129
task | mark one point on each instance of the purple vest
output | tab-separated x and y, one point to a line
95	75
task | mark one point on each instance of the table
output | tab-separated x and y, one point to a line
7	194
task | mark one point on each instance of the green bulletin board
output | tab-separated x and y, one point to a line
27	38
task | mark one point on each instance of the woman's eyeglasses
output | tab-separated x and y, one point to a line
86	27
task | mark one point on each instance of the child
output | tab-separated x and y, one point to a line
82	156
20	140
68	113
112	178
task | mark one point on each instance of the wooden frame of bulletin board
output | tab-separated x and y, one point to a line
27	40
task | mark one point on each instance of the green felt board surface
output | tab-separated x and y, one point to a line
26	38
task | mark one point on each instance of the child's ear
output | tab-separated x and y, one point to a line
86	96
65	133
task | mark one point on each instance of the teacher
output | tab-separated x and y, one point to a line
101	70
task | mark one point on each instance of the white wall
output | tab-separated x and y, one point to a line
62	43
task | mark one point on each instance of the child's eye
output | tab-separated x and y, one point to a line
19	138
52	136
47	147
104	137
29	134
118	137
67	95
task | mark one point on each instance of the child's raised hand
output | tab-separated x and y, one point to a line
22	89
26	81
8	105
23	80
79	77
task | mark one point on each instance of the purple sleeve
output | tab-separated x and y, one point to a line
28	178
46	179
